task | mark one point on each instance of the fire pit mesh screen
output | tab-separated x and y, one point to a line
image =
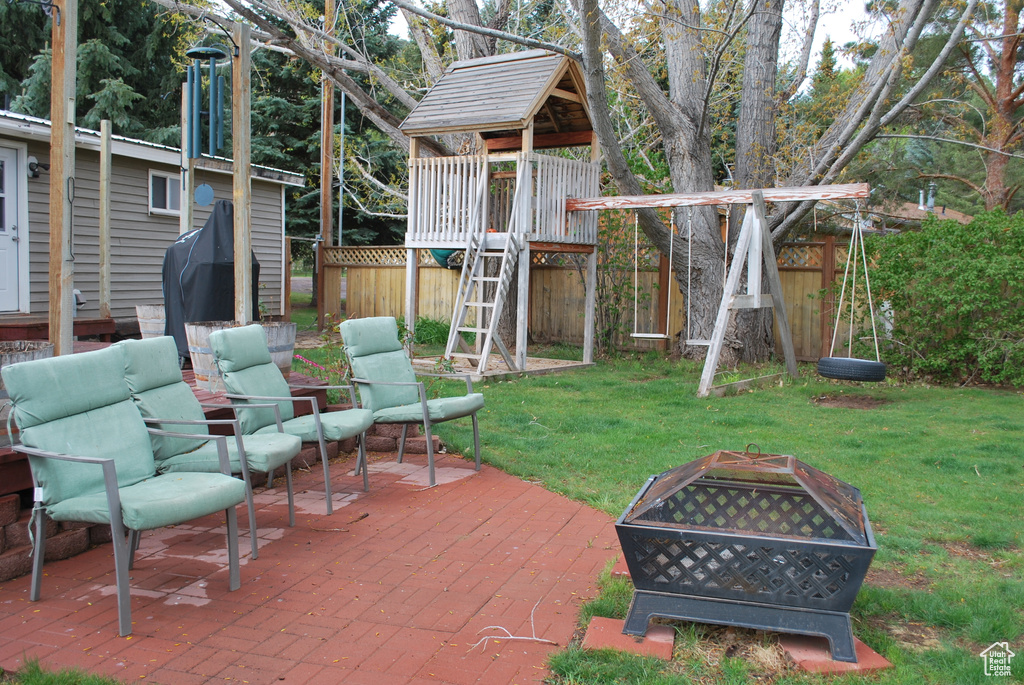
761	494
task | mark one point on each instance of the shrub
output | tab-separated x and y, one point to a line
956	294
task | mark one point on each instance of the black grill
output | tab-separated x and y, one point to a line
755	540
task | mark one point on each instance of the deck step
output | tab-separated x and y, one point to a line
468	329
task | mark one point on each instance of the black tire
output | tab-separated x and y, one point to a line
849	369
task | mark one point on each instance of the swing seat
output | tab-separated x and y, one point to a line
851	369
649	336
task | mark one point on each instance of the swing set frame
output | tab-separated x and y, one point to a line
754	250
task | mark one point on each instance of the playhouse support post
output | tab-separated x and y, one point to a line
589	323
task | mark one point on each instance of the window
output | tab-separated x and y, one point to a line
164	193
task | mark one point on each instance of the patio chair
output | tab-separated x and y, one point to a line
387	384
252	380
92	461
167	402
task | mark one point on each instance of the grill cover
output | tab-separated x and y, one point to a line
199	276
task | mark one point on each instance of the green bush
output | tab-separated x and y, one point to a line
956	294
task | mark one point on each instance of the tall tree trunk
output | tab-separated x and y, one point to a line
756	145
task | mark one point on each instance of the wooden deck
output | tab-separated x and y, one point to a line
15	475
37	327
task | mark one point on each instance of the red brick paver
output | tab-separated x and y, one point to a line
404	584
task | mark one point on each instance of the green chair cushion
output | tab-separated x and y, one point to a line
391	367
79	404
264	452
158	390
246	369
54	388
441	409
371	335
151	363
337	425
159	501
239	348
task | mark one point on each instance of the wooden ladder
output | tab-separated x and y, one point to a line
481	250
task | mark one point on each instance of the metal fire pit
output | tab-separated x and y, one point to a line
747	539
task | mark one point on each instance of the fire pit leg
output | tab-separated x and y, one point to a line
832	625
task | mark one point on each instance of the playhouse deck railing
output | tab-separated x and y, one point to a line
449	198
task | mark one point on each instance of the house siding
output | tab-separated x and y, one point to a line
138	240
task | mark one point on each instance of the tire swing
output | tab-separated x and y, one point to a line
849	368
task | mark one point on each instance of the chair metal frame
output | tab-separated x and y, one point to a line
124	547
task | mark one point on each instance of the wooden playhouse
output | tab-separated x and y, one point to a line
526	116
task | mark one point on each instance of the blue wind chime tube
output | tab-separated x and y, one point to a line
189	148
220	113
196	109
214	113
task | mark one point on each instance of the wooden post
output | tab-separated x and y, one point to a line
188	182
771	267
411	255
828	275
525	226
326	178
62	173
589	323
287	304
241	86
104	228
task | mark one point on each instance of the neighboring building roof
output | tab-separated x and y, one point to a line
911	213
499	97
34	128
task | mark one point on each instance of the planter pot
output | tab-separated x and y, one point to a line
280	341
13	352
152	320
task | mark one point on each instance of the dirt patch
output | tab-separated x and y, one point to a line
912	636
894	578
850	401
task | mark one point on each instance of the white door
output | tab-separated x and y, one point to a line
10	274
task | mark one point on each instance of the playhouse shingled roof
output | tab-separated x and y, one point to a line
497	97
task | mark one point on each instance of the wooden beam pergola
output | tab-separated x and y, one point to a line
721	197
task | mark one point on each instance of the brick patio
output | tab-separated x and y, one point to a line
399	586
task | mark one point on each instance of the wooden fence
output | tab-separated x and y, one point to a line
376	287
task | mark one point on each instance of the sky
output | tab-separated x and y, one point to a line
838	19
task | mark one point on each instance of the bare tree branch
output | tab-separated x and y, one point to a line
483	31
952	141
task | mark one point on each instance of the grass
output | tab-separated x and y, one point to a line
940	471
34	674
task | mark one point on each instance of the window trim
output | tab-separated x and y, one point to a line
170	179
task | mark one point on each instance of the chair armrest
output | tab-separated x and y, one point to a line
369	382
464	376
348	386
46	454
221	440
271	403
109	478
236	427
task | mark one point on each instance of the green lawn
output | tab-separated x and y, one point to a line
940	470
